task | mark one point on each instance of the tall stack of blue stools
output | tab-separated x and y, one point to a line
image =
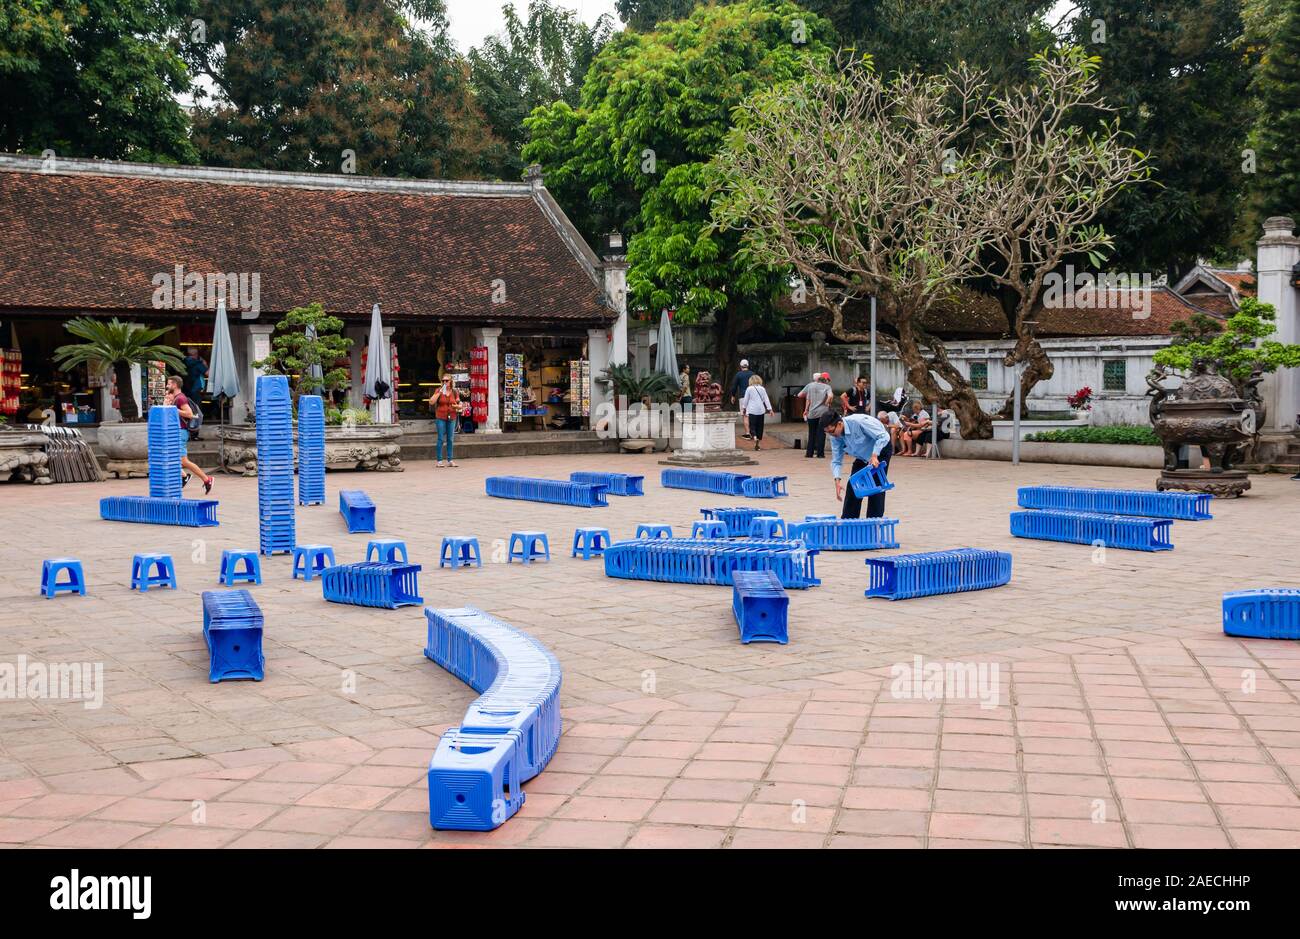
357	510
736	518
76	582
1189	506
311	560
164	452
373	583
275	503
152	570
1266	613
311	450
1131	532
845	534
919	575
870	481
710	561
232	628
507	736
761	607
616	484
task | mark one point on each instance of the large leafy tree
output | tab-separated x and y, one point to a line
532	62
93	78
293	86
634	154
1176	71
1276	138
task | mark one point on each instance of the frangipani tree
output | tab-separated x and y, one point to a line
905	188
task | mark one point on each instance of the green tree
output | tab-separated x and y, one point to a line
645	15
1238	350
1276	184
1174	70
654	109
300	86
307	346
93	78
118	346
531	63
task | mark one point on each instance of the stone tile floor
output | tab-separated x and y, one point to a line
1123	717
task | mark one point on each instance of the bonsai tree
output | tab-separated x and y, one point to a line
118	346
1239	349
307	339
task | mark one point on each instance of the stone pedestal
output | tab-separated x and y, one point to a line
708	440
362	447
1227	484
23	458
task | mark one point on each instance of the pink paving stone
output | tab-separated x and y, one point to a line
334	795
687	812
1062	831
969	827
632	787
810	794
27	788
167	769
312	820
600	809
64	805
1264	838
879	842
786	817
672	749
1260	816
94	834
978	801
757	838
714	790
889	822
1150	811
676	836
1252	793
723	769
278	839
804	773
368	775
1168	790
23	830
155	811
563	833
188	837
879	797
411	826
556	783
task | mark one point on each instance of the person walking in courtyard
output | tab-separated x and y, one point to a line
817	397
739	387
185	413
867	441
756	406
196	373
445	405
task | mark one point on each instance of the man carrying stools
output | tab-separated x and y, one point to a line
867	441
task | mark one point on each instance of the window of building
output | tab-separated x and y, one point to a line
1114	375
979	376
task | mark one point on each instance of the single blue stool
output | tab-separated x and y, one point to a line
767	527
385	550
460	551
712	528
590	541
309	560
142	580
654	531
230	573
76	582
528	543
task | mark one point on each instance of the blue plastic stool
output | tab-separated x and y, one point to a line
460	551
142	580
230	573
709	529
767	527
590	541
385	550
528	542
309	560
76	582
654	531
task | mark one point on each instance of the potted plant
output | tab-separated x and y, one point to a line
117	346
1081	403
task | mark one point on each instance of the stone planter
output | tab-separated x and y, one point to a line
363	447
127	448
23	457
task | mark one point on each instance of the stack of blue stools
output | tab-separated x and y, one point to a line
710	560
507	736
1114	531
232	628
845	534
357	510
275	504
1189	506
763	487
1266	613
920	575
737	519
164	452
195	513
727	484
761	607
311	450
617	484
558	491
373	583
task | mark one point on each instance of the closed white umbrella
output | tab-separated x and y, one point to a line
379	371
223	376
666	354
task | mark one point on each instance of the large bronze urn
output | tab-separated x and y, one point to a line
1205	410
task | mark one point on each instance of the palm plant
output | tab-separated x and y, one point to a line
118	346
647	387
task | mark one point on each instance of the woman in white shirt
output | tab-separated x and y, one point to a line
756	406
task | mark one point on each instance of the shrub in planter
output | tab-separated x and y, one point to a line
1118	433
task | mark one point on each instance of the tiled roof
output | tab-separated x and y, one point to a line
978	316
75	240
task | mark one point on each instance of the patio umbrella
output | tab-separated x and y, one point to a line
223	377
666	354
314	371
379	371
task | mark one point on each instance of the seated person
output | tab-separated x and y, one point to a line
892	424
914	425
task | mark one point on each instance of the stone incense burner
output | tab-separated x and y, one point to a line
1207	411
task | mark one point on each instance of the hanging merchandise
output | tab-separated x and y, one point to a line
512	403
12	379
579	387
478	384
157	387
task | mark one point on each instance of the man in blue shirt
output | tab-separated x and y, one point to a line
867	441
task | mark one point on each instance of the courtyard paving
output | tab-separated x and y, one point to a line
1123	716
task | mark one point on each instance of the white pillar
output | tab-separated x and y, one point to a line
487	336
1278	253
598	355
616	295
356	395
257	346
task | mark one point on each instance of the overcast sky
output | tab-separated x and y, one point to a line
474	20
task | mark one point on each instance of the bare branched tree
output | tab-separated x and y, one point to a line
908	187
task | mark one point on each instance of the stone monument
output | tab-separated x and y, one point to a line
708	440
